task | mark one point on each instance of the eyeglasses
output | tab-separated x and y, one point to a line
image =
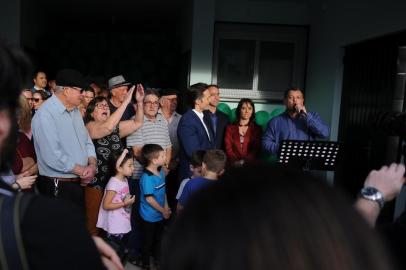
29	99
36	99
102	106
150	103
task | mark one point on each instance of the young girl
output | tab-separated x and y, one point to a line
114	213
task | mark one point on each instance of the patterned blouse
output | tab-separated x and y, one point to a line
105	147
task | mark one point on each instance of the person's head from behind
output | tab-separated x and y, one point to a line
122	164
245	110
14	73
196	163
198	96
153	155
264	218
214	161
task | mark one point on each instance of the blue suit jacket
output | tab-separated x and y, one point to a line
192	136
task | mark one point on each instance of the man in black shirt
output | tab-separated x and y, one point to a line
118	91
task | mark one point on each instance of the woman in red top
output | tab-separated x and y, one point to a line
243	138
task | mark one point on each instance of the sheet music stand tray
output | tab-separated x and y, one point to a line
309	155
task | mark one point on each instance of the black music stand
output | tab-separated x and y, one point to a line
309	155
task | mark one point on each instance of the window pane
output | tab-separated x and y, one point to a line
275	66
236	63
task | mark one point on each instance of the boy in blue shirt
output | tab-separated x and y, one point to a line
153	204
212	168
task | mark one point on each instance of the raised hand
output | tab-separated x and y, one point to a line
139	94
129	95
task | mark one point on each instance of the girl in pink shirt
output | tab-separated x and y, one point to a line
114	213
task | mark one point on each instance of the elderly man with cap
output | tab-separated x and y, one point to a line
118	91
65	152
169	102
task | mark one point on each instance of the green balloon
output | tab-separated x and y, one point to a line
261	118
277	111
224	108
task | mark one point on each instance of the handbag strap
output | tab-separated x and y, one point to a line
12	252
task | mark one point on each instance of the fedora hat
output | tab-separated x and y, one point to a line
117	81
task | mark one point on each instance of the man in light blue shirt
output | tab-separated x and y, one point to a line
65	152
294	124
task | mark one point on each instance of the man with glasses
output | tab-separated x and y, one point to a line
65	152
154	130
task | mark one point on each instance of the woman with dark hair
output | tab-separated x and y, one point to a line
38	98
106	130
284	220
88	96
243	138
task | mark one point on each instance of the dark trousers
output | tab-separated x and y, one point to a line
151	240
172	187
69	191
134	239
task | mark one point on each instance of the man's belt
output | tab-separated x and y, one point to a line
62	179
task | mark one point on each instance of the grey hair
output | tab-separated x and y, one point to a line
58	89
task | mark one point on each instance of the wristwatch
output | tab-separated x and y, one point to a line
372	194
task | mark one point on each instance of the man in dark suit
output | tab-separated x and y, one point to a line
194	133
218	119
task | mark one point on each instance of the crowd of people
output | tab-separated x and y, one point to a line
126	166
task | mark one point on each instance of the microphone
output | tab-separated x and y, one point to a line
300	111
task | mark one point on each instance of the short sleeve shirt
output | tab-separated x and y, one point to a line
155	132
152	185
116	221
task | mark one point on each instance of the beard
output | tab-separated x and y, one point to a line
8	149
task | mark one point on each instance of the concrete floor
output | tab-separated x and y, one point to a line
130	266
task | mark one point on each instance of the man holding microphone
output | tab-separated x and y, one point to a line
294	124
